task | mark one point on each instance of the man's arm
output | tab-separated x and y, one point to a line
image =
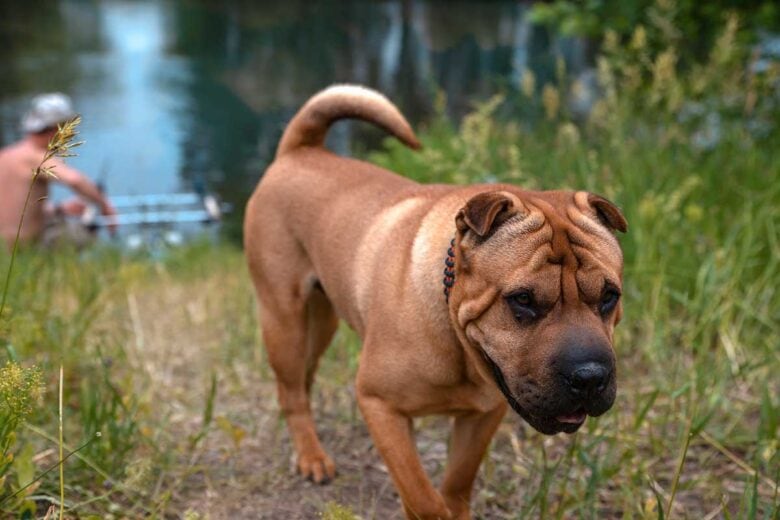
81	184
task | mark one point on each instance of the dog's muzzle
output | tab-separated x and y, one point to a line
581	388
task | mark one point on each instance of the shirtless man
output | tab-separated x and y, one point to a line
17	162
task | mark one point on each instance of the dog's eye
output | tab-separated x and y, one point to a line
609	300
523	298
522	305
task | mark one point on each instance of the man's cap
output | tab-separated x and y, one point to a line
46	111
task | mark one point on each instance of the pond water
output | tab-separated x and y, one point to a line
174	93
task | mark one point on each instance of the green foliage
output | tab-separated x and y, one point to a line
20	392
107	410
594	17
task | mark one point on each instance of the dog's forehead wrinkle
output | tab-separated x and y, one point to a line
519	226
533	265
589	256
593	245
517	238
592	261
587	245
605	244
591	282
587	225
541	258
581	248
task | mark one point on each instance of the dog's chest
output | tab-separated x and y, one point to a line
424	378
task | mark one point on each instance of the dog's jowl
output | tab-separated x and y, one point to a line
468	299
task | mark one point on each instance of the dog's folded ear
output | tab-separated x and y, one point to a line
608	213
483	213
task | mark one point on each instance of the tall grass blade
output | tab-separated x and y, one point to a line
681	463
61	447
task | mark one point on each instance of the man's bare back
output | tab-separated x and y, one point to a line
17	163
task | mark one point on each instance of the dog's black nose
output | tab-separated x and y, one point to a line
588	379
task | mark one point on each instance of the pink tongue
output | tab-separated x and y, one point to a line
575	418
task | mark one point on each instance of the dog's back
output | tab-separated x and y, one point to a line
308	191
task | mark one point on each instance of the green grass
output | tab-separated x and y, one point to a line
162	356
98	315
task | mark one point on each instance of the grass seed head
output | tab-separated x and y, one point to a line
64	139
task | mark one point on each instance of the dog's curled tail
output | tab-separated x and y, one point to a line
311	123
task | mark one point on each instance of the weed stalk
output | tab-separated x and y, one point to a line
61	444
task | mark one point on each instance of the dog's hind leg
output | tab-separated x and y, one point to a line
322	323
297	324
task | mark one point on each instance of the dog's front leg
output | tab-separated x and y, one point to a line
392	434
471	435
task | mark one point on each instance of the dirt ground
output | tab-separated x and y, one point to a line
257	479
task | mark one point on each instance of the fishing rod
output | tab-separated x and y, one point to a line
198	206
159	209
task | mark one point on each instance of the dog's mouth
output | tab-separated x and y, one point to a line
568	422
577	417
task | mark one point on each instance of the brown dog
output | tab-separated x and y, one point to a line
524	315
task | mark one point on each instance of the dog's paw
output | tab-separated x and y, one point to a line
317	467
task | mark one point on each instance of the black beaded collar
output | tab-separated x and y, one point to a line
449	270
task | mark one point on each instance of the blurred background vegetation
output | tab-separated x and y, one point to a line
196	91
669	108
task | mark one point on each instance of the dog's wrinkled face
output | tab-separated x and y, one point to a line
537	297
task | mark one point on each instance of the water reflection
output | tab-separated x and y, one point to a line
177	91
